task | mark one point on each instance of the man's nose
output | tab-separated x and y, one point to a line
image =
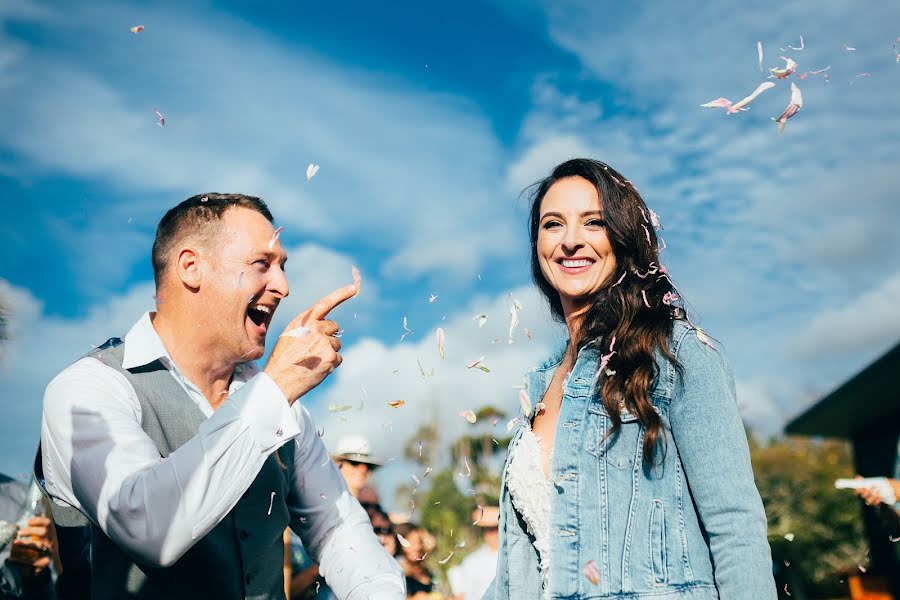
279	283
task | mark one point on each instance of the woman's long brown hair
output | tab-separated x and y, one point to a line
635	308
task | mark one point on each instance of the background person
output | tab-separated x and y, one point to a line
471	578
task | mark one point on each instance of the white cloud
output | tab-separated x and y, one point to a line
866	325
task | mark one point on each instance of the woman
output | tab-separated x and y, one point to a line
631	476
419	579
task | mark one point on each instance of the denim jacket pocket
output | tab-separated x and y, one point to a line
617	449
657	543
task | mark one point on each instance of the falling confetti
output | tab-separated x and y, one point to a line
525	403
468	415
796	48
480	515
789	67
482	319
444	562
792	109
432	298
644	296
440	341
789	537
701	335
357	279
422	369
339	407
730	108
271	501
136	29
403	541
591	571
514	318
849	48
406	332
275	237
162	119
759	53
311	171
624	273
396	403
858	76
476	364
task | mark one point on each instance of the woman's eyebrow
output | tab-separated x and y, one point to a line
560	216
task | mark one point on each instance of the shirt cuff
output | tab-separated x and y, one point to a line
262	406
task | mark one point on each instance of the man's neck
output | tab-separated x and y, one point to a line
195	356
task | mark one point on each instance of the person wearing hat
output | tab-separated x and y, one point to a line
471	578
355	462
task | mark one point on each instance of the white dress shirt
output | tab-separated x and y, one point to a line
98	459
472	577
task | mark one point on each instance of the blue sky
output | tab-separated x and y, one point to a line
428	120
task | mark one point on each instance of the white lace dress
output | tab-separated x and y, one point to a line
529	491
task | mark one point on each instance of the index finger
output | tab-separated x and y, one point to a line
325	305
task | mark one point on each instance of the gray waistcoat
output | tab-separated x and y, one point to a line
240	558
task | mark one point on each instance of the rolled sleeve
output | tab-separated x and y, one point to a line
712	445
334	528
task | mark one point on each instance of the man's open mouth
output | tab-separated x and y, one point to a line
261	315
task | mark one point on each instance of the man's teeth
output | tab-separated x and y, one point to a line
576	263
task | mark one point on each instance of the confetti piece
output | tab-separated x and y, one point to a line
798	48
858	76
432	298
759	53
297	332
624	273
647	233
427	471
403	541
271	501
476	364
311	171
704	338
357	280
482	319
525	403
789	67
407	332
644	296
849	48
730	108
591	571
162	119
514	318
339	407
440	341
669	298
468	415
396	403
480	515
792	109
444	562
136	29
789	537
275	237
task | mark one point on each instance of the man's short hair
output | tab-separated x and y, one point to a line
199	215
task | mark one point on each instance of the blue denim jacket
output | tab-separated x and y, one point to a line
690	527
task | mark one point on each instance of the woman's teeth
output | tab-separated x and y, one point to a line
571	264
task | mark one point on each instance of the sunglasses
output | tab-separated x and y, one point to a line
383	531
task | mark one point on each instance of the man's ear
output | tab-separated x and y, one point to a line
187	267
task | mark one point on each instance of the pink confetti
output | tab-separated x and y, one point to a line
670	298
440	341
591	571
647	232
624	273
476	364
162	119
730	108
789	67
644	295
136	29
357	281
468	415
792	109
275	237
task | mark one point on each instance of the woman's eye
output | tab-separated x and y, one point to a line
597	223
551	224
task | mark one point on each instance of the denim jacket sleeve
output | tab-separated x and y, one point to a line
712	444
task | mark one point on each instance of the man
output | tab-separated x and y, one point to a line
353	458
188	461
472	577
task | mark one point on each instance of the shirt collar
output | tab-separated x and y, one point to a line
142	345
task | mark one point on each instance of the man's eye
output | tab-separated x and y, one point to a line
263	265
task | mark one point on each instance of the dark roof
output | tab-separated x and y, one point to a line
865	399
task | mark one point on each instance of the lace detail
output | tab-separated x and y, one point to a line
530	494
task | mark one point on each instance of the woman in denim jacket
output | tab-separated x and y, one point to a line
630	477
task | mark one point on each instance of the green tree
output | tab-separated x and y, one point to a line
815	530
